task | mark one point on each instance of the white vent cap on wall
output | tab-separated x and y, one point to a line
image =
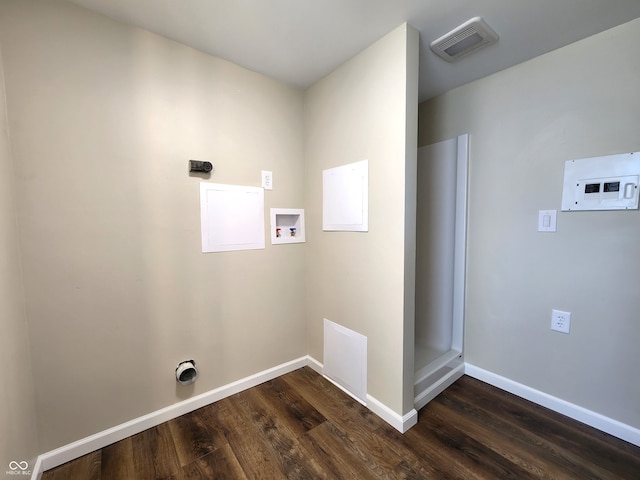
465	39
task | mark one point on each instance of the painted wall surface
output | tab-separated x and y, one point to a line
524	123
359	112
18	436
104	118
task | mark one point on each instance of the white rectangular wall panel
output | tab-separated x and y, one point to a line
345	198
602	183
232	217
345	358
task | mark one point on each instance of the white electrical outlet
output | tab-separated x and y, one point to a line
267	180
560	321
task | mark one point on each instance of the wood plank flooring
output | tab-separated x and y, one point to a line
300	426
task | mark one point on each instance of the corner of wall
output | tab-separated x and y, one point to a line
19	439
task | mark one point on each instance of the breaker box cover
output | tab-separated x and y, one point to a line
602	183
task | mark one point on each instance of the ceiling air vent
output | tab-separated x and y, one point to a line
465	39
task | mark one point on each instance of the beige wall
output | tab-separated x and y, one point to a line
18	437
524	123
359	112
104	119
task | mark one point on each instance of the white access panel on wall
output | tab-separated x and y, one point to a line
232	217
345	198
602	183
345	359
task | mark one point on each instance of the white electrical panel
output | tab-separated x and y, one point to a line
602	183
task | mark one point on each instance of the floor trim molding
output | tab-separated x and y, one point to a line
435	389
402	423
99	440
608	425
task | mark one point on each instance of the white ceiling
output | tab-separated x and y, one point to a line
301	41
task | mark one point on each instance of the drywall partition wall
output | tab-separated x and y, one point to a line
18	436
524	123
104	119
366	110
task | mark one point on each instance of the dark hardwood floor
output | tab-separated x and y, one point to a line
300	426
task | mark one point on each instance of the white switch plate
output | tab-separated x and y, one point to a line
547	220
560	321
267	180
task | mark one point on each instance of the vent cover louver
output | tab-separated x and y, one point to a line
463	40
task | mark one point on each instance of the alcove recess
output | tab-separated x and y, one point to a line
287	225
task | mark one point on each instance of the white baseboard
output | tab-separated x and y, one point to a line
438	387
359	400
402	423
99	440
315	364
608	425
